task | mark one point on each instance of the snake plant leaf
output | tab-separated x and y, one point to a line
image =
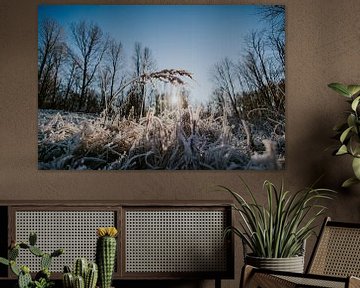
342	150
355	103
340	88
356	167
345	134
349	182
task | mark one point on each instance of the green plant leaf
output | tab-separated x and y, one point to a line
279	228
355	103
340	88
342	150
351	120
345	134
353	89
354	145
349	182
356	167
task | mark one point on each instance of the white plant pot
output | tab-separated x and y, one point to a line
291	264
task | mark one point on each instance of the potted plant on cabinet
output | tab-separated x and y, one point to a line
349	132
84	274
42	278
276	233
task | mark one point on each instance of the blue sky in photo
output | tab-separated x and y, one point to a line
190	37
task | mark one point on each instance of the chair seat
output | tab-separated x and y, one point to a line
335	262
315	282
268	279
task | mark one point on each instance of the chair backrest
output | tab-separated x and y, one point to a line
337	251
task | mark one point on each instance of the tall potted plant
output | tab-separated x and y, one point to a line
275	233
349	131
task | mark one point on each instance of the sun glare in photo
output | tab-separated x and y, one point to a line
161	87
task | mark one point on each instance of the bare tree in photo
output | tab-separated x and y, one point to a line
143	63
275	15
59	56
111	77
51	43
224	75
263	75
70	75
104	105
90	45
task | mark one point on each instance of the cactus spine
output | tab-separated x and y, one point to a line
80	267
68	280
106	254
84	275
91	276
79	282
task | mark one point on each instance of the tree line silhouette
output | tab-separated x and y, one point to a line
85	71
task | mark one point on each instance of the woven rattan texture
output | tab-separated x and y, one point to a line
338	253
75	231
175	241
267	280
306	282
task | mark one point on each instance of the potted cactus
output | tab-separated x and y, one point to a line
42	278
84	275
106	254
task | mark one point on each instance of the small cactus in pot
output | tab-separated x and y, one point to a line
85	275
106	254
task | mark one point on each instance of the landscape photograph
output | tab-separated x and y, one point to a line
161	87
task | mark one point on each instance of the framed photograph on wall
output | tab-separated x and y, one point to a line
161	87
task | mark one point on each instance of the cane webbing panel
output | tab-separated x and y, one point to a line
338	252
313	282
175	241
74	231
267	280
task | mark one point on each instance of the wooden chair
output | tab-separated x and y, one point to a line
334	263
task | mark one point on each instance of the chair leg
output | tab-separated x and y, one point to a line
251	279
246	274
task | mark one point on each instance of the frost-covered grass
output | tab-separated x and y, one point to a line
175	140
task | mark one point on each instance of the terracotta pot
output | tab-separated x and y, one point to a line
291	264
